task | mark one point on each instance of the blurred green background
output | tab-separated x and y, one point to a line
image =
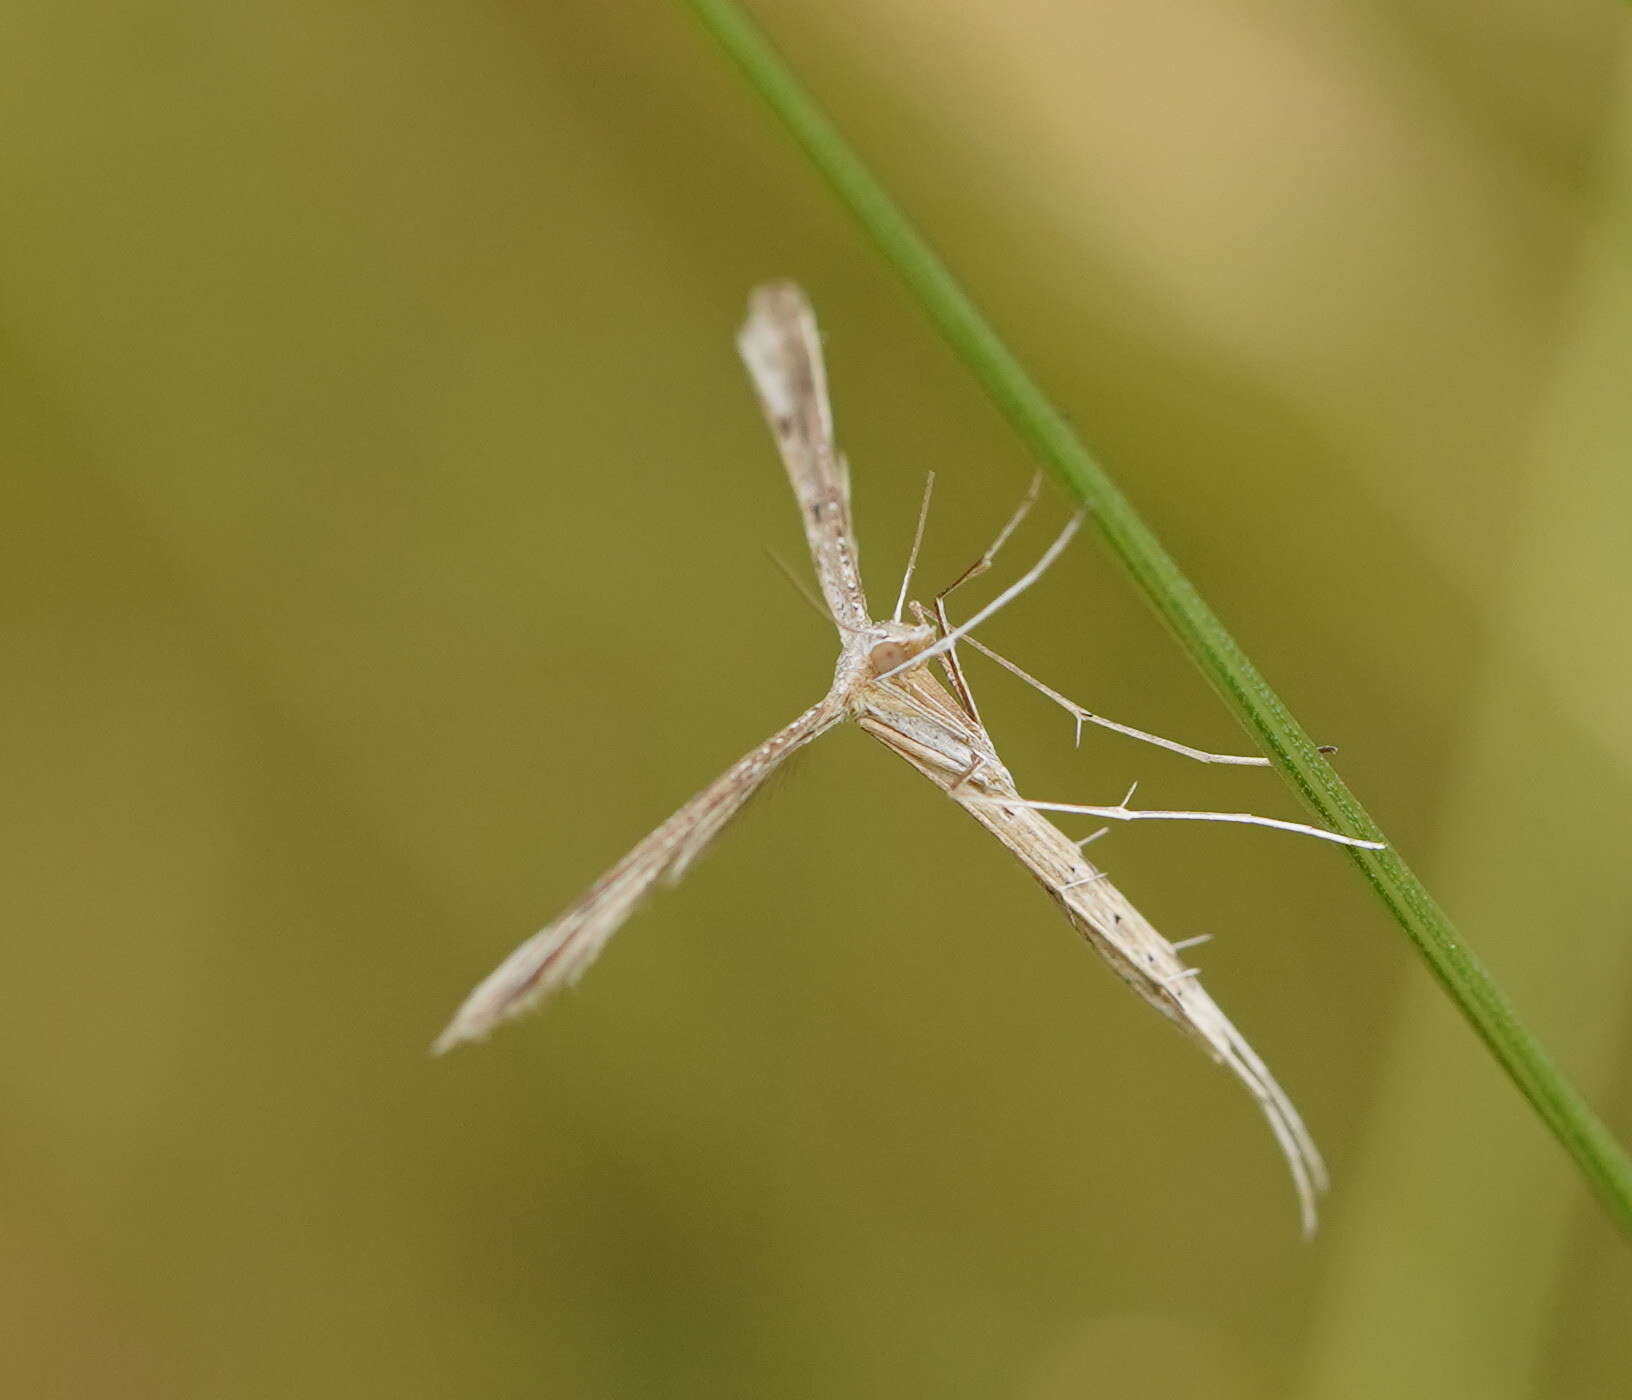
387	520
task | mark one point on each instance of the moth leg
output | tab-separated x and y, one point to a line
950	638
982	564
954	669
1082	716
950	667
1123	813
967	774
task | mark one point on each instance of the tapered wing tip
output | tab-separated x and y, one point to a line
1311	1186
474	1020
780	294
456	1033
775	310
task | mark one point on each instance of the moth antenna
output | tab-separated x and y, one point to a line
917	540
982	564
1003	599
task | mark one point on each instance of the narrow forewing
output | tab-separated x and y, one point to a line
958	757
558	954
780	345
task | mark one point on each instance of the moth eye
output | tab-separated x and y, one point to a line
886	656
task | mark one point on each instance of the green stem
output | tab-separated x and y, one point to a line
1463	976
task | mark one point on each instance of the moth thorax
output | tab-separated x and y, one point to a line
896	651
886	656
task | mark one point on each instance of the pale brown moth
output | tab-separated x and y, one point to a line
884	683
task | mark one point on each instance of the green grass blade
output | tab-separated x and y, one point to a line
1601	1160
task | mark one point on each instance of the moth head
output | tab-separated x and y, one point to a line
893	644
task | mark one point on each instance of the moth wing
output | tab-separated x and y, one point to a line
782	349
1121	935
559	954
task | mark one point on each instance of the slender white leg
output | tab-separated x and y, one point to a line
1081	716
1123	813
